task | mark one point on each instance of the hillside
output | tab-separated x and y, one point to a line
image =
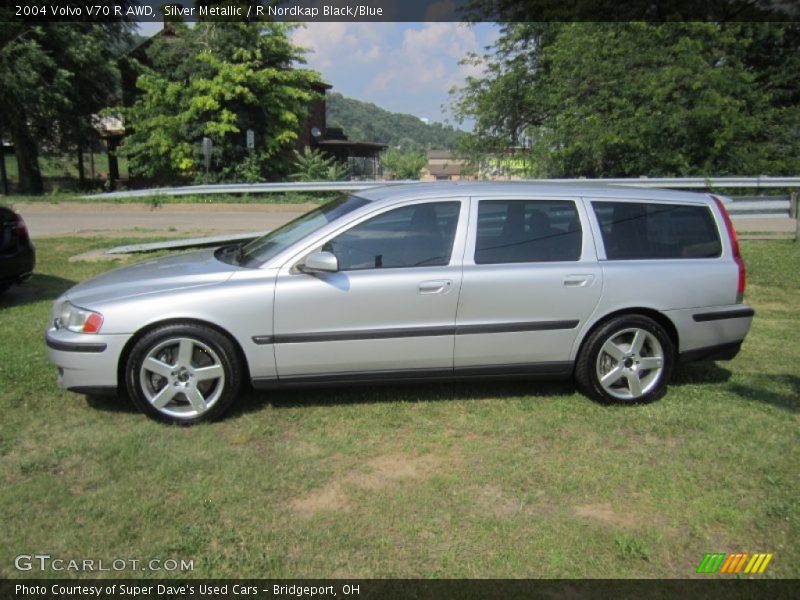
367	122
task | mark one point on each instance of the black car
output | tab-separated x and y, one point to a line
17	255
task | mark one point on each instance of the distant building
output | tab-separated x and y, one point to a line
443	167
361	158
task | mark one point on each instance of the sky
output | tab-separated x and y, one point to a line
402	67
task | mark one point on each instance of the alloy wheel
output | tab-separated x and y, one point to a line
630	364
182	377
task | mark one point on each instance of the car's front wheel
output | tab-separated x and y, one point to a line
183	373
628	359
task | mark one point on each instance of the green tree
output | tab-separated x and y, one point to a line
218	80
314	165
53	77
629	99
506	103
404	165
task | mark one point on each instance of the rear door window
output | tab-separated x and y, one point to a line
644	230
515	231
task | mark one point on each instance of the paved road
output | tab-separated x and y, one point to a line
142	220
201	219
783	225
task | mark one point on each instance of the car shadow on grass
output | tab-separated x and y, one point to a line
118	403
39	288
254	400
699	372
789	400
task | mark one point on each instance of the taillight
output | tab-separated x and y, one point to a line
737	256
22	229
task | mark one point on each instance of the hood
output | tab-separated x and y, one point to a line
158	275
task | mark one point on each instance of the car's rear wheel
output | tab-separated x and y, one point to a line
183	373
629	359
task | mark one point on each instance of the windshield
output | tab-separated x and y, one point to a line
276	241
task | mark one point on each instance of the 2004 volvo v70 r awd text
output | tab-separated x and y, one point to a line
425	281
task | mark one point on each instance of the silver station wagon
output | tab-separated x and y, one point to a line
611	286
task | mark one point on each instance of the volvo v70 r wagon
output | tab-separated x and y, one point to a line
611	286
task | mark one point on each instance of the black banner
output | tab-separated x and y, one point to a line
713	588
402	10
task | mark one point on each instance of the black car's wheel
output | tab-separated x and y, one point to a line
183	373
4	287
628	359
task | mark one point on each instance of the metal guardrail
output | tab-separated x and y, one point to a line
756	183
743	206
748	207
180	244
246	188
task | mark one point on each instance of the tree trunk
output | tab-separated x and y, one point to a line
113	164
81	174
30	178
3	174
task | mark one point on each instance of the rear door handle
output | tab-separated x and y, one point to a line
578	280
439	286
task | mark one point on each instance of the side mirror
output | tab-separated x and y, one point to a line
321	261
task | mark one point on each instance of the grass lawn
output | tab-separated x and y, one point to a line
469	480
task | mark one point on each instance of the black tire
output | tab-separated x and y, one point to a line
4	287
621	366
195	374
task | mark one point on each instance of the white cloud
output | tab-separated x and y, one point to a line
404	67
428	59
337	44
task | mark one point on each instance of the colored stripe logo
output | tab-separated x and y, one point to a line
731	564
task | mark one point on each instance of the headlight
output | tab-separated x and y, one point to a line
74	318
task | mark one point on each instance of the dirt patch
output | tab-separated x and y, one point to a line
240	439
379	473
494	501
389	468
330	497
604	513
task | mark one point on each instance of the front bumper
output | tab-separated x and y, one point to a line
85	361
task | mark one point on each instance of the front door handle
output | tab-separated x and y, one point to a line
439	286
578	280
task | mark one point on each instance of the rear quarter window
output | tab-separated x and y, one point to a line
644	230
